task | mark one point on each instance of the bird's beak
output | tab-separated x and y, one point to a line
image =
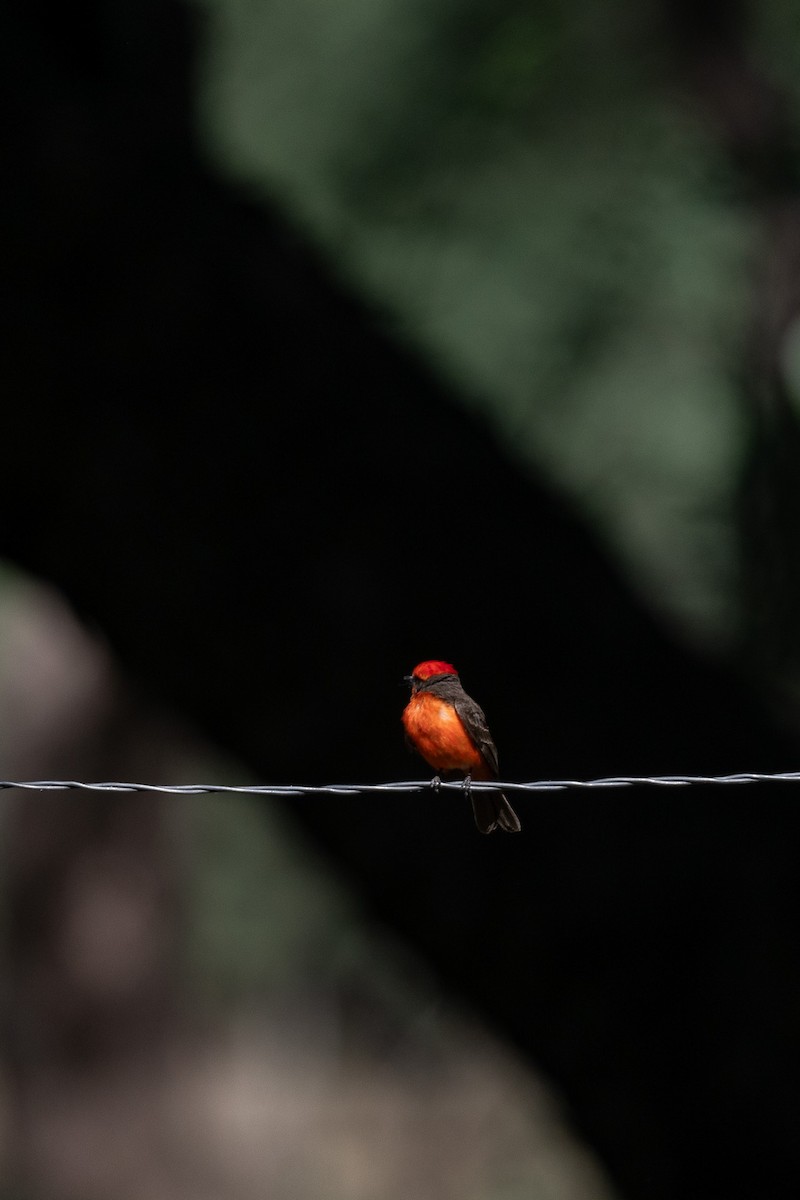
408	679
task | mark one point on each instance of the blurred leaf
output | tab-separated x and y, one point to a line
524	193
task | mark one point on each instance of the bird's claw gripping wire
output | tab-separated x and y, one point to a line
436	785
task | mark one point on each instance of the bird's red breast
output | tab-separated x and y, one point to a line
437	733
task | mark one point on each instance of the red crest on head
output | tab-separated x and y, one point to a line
426	670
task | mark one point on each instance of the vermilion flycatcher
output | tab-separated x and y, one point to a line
449	730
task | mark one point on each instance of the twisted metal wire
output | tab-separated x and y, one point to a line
362	789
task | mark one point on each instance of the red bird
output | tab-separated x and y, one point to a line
449	730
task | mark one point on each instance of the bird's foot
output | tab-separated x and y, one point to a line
436	784
468	786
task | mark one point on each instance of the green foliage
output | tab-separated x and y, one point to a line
521	188
260	913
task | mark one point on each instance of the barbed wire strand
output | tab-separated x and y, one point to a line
363	789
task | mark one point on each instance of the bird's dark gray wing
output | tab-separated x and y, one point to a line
474	721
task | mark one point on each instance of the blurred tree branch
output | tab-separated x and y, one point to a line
760	132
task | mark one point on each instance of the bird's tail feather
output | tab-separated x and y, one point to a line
492	811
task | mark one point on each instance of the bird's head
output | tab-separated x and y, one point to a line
427	670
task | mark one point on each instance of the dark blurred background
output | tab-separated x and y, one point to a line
337	338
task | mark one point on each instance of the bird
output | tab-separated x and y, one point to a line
449	730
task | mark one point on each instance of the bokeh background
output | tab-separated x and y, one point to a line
338	337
